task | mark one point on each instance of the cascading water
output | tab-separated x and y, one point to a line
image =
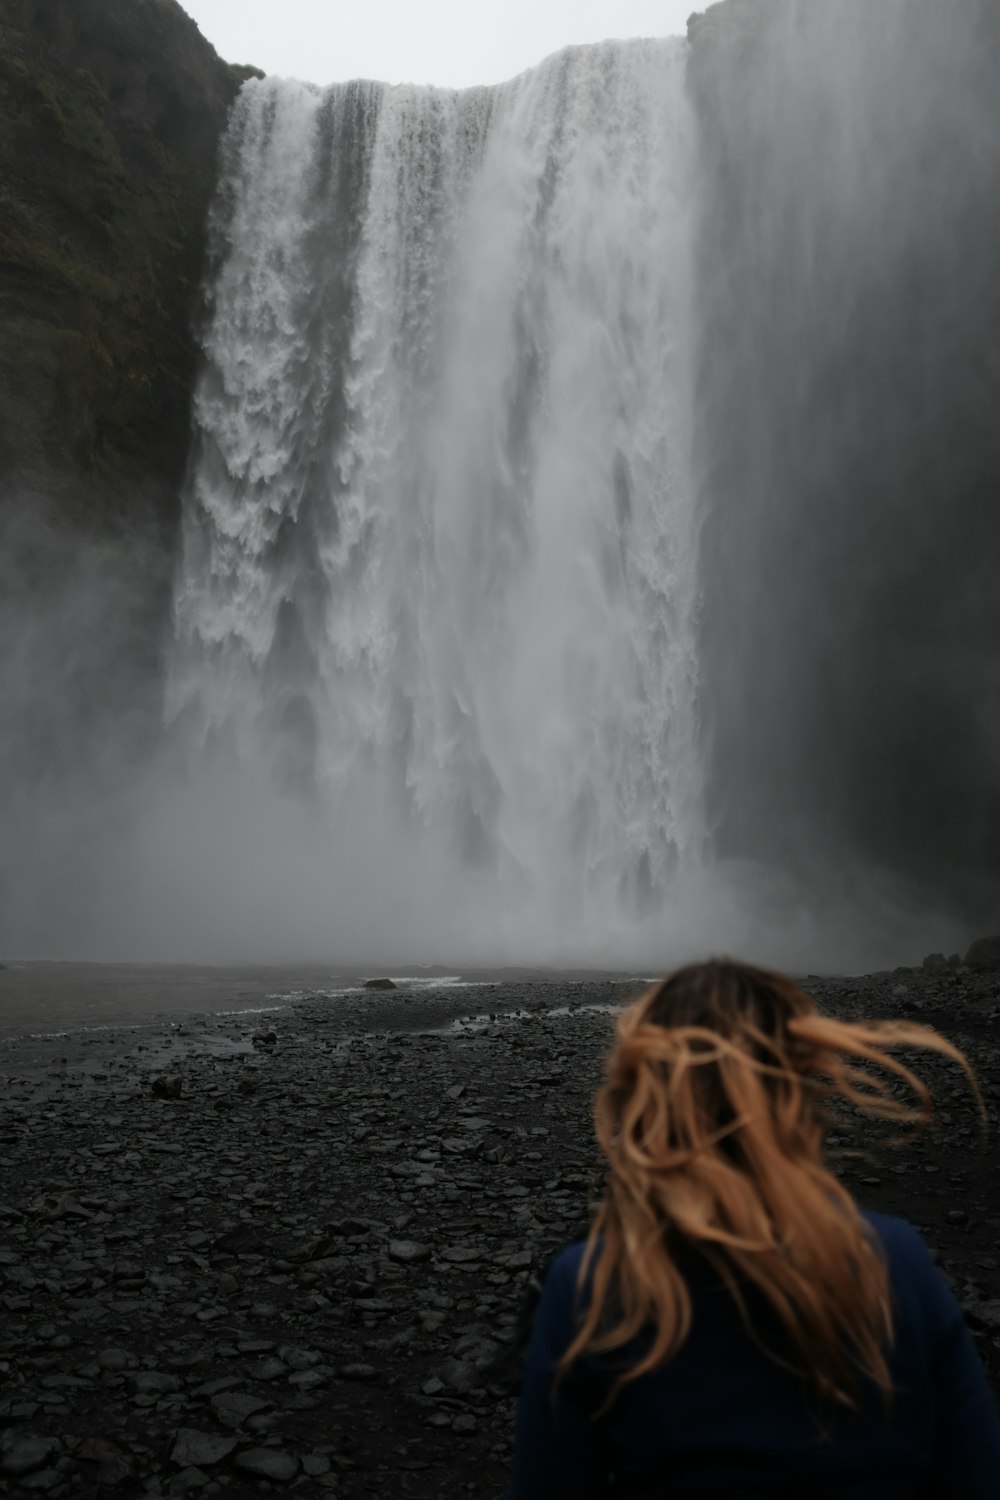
590	537
438	572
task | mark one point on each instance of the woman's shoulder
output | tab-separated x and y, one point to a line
567	1261
926	1309
563	1274
921	1292
901	1242
906	1253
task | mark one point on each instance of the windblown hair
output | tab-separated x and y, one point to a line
713	1118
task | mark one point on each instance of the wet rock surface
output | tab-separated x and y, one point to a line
110	128
984	953
298	1271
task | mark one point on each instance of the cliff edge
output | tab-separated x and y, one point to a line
110	117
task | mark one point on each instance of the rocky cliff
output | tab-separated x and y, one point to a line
848	385
110	117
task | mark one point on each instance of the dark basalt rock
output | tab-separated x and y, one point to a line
110	119
195	1309
984	953
111	112
379	984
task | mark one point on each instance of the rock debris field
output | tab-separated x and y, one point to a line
296	1265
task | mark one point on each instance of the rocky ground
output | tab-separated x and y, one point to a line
293	1266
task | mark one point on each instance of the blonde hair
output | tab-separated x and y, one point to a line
712	1121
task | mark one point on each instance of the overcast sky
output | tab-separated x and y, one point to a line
452	43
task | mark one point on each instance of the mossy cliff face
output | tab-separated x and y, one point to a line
110	117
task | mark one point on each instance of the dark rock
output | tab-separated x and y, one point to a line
315	1464
379	984
44	1480
232	1409
984	953
243	1239
112	118
299	1359
97	1450
462	1254
408	1252
460	1375
268	1463
188	1480
23	1453
477	1349
521	1260
167	1086
110	121
115	1471
215	1387
935	961
200	1449
153	1383
17	1411
984	1315
312	1379
352	1226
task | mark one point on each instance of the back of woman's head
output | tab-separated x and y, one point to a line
712	1119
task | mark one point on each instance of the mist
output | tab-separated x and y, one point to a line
119	844
587	555
849	457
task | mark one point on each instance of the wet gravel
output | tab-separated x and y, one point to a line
297	1265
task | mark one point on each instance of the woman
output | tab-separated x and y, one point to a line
735	1326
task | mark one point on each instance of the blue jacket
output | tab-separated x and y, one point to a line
722	1421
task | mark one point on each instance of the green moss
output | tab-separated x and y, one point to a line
98	320
48	263
73	112
242	71
20	219
80	125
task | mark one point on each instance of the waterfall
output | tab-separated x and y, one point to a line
438	580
